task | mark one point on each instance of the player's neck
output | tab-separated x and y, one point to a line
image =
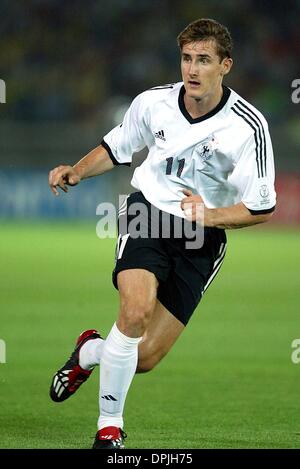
199	107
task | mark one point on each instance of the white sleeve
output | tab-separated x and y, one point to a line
254	173
129	137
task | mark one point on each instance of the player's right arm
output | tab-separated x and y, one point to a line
94	163
117	149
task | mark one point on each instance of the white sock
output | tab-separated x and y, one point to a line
118	366
90	353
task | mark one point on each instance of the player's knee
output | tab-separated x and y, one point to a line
135	316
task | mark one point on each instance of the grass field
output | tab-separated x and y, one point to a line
229	382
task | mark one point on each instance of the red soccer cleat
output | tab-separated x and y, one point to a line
109	438
69	378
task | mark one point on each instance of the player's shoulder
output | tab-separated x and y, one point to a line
159	93
246	111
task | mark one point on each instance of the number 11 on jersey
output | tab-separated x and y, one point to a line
169	167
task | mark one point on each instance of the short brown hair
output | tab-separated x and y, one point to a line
204	29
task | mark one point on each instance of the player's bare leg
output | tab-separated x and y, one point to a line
162	332
137	289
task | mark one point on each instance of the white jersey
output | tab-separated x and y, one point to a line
225	156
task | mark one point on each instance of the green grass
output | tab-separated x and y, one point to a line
228	382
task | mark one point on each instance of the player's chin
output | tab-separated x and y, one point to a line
194	93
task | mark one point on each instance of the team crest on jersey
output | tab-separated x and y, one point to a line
264	191
206	148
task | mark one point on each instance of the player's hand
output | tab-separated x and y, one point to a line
193	206
63	176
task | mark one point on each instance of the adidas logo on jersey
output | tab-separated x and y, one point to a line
160	134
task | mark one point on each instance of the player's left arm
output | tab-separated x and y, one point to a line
235	216
253	177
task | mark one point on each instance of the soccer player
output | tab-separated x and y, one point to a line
207	147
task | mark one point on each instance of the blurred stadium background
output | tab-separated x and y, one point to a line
71	68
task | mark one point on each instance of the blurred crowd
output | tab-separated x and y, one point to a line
62	59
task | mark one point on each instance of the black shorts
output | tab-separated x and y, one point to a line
183	273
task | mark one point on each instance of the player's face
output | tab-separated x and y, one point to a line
202	69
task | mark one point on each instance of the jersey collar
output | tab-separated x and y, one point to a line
224	99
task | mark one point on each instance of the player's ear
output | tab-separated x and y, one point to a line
226	65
